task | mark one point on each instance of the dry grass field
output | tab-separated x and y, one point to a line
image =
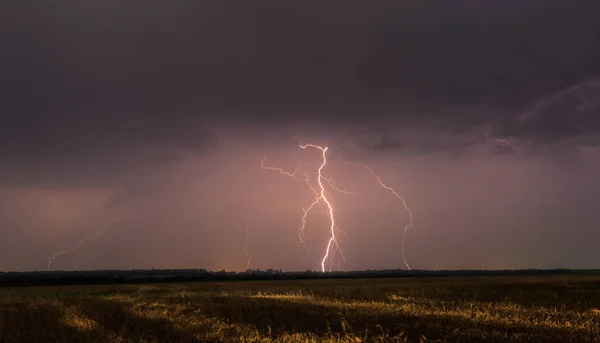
461	309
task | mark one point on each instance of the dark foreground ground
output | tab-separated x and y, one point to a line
546	308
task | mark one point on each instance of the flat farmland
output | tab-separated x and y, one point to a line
563	308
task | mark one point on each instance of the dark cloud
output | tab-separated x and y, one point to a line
116	87
574	111
270	62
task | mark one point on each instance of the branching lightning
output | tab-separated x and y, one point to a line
320	198
280	170
97	234
332	185
323	197
327	207
306	210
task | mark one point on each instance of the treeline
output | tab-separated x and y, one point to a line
13	279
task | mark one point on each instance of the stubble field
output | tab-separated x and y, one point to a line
461	309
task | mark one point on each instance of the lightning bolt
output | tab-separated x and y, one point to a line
249	258
326	204
320	199
97	234
324	198
306	210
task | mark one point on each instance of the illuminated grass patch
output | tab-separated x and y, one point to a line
548	309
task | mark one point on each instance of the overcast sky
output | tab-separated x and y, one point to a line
484	116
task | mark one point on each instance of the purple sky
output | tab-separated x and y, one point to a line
161	113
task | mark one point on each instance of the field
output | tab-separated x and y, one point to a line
461	309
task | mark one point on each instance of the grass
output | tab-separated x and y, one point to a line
465	309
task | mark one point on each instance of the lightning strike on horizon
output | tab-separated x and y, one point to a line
249	258
323	197
320	196
76	247
410	214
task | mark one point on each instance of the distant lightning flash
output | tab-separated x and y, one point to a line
410	214
249	258
97	234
